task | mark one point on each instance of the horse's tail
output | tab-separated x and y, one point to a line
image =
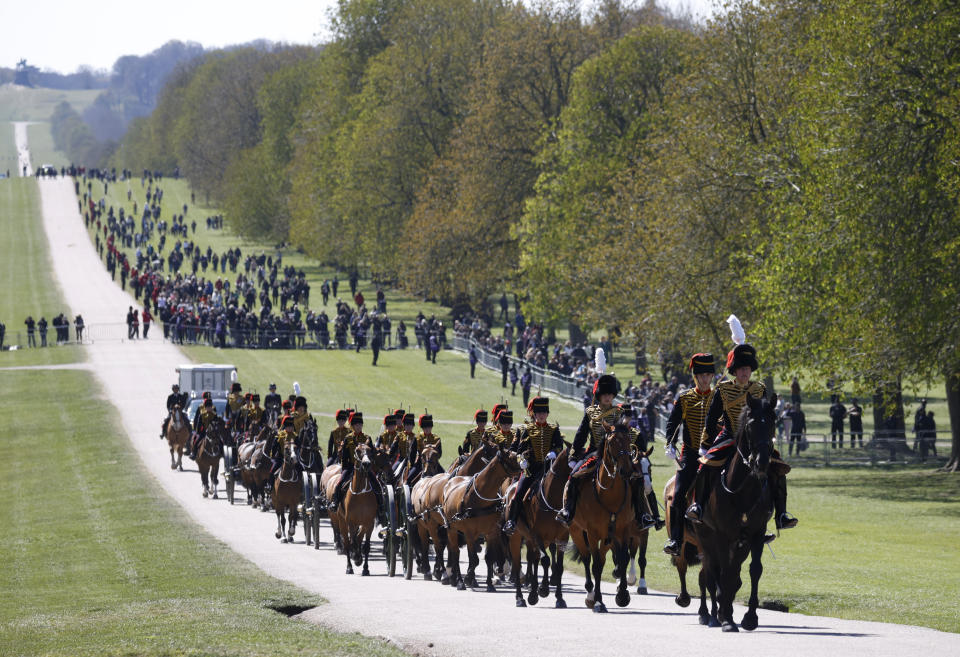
690	554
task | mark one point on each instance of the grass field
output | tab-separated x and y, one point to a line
42	150
8	150
23	104
97	561
25	267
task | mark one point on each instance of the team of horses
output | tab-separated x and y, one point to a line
464	508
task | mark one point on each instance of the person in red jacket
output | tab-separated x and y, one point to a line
147	318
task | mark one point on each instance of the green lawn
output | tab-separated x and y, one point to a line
98	561
24	104
42	150
25	269
8	150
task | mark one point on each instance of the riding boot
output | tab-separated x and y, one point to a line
695	512
676	533
655	509
337	497
644	519
783	519
570	494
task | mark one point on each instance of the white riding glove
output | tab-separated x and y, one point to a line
702	451
551	456
671	452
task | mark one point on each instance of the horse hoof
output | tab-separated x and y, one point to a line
599	608
616	573
365	572
349	571
277	534
729	627
544	590
427	576
749	622
179	467
560	604
588	586
641	590
521	603
215	495
461	586
631	580
704	619
533	598
682	600
622	598
590	602
491	588
445	580
284	540
205	493
713	622
173	466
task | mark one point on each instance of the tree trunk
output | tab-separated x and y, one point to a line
577	336
953	404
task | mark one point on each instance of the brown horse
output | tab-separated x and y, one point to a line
736	509
604	517
357	515
328	484
288	493
472	506
475	461
539	529
178	433
255	468
209	453
689	556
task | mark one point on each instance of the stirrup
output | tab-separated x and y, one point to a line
672	547
509	528
658	524
769	538
786	521
646	521
694	513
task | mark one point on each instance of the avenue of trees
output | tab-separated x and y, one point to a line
618	167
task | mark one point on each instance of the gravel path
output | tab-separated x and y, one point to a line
420	616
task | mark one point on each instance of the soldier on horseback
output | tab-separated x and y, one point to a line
255	416
348	455
301	416
175	398
494	429
592	432
338	435
539	442
721	425
391	434
503	434
272	402
204	415
235	403
274	448
687	418
644	504
425	438
475	435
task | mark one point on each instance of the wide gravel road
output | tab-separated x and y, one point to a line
420	616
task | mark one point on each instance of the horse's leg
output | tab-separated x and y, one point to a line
345	538
749	621
680	563
642	562
725	594
492	556
368	530
623	595
279	532
533	572
453	559
173	461
204	481
294	516
598	559
544	590
424	549
214	470
180	458
473	560
516	548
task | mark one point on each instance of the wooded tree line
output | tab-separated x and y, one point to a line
793	162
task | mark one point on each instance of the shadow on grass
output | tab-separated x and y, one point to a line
914	485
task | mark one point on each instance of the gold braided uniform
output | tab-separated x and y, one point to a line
591	427
254	416
300	419
501	439
206	414
540	440
727	403
423	440
403	440
351	441
690	413
472	439
336	440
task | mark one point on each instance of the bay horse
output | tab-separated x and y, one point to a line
287	493
311	467
209	453
689	556
328	484
472	507
736	510
604	517
539	529
357	515
255	468
178	433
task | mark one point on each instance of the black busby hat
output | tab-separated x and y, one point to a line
206	395
497	409
300	402
255	397
236	387
426	421
539	405
480	416
273	386
606	385
742	354
207	403
505	416
389	420
342	414
702	364
356	417
409	420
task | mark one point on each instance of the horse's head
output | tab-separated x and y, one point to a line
509	461
289	453
616	449
362	457
430	457
758	423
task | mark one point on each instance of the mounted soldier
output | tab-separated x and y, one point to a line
503	434
723	420
234	405
494	428
272	402
588	439
425	438
274	448
472	440
338	435
348	456
539	442
301	416
174	399
645	505
255	416
205	413
386	440
685	426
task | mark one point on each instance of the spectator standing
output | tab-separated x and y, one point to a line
837	415
325	291
147	318
354	279
334	284
375	346
3	327
787	419
136	325
798	428
504	306
929	435
42	328
795	392
504	364
31	330
855	413
472	358
130	323
918	421
434	346
514	377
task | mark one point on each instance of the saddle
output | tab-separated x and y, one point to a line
587	468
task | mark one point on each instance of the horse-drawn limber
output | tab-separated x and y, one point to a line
444	513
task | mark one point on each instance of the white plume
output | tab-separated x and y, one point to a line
736	330
233	376
296	388
600	360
